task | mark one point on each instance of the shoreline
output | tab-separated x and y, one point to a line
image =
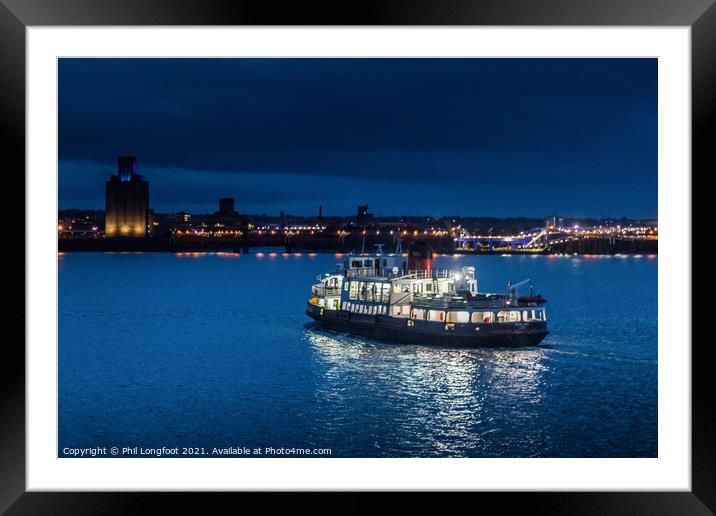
440	245
227	250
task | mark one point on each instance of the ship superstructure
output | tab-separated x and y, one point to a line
382	296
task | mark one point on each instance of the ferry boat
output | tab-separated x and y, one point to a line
383	297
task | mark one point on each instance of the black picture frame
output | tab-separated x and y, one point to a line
17	15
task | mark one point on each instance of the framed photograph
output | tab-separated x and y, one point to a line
420	248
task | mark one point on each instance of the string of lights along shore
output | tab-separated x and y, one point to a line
129	223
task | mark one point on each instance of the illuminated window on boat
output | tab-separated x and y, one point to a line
483	317
514	316
386	292
531	315
436	315
503	317
418	313
458	317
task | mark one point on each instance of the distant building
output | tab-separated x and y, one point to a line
126	201
363	218
226	207
226	216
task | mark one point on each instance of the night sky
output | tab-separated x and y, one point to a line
474	137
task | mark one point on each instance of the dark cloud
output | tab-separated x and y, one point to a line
281	131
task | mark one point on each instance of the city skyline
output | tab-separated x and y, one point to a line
478	137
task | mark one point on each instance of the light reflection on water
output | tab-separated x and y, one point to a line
439	397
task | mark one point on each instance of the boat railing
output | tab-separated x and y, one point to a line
433	273
322	291
388	273
446	302
401	273
497	302
438	302
366	273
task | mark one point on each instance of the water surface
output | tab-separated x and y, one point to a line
213	350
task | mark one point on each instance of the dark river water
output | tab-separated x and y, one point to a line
213	351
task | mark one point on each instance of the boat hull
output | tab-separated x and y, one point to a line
393	329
